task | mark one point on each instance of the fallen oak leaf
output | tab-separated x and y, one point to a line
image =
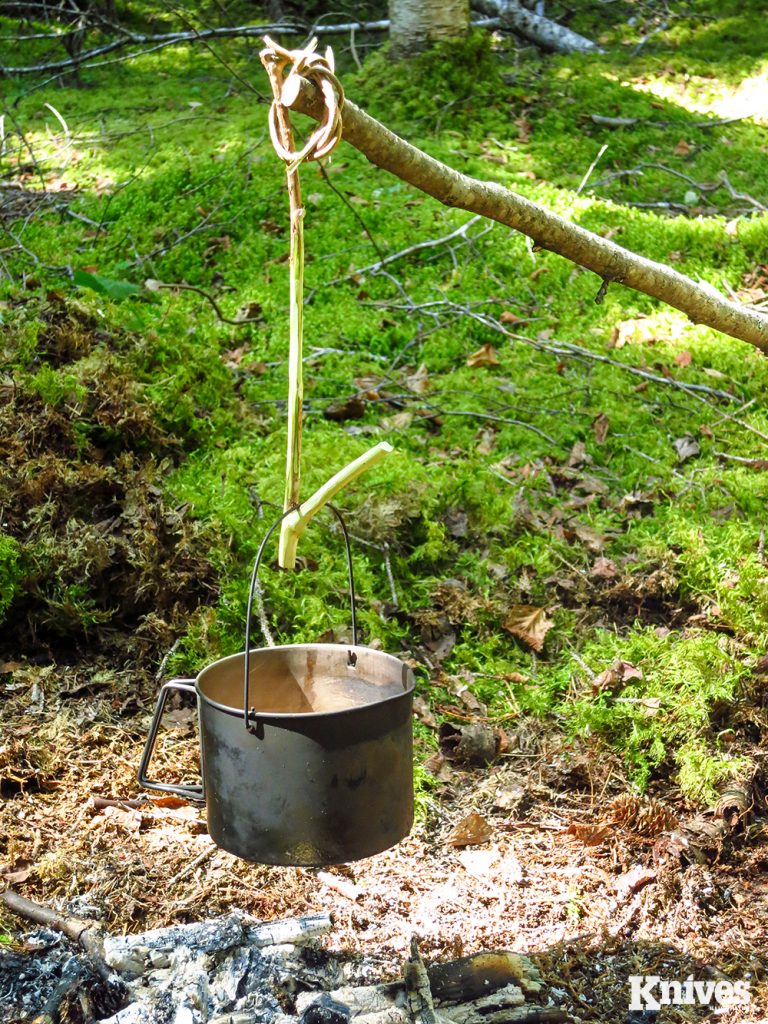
528	624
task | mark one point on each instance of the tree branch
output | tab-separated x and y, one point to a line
535	27
192	35
702	303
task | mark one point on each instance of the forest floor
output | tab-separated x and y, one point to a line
568	545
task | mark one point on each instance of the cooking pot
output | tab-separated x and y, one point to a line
306	749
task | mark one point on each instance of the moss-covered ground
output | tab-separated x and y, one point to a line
145	437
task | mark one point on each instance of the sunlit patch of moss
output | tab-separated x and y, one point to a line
11	572
666	716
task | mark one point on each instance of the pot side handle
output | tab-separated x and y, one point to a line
188	792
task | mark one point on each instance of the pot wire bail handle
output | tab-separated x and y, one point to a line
250	713
188	792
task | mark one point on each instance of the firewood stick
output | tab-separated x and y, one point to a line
85	934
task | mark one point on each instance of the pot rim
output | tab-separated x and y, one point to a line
239	712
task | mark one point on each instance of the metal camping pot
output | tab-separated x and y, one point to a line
306	749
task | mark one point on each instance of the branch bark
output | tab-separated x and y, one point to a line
85	934
539	30
702	303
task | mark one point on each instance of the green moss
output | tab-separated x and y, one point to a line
11	572
664	718
194	193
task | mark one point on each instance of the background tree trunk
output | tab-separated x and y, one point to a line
416	24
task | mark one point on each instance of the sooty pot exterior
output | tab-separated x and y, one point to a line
328	780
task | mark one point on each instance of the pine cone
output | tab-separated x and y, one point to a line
642	815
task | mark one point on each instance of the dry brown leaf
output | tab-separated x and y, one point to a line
508	317
619	673
589	537
352	408
459	688
528	624
234	356
418	381
423	712
604	569
485	356
578	456
400	421
636	331
523	126
486	441
249	311
470	831
18	872
127	820
683	148
686	448
168	801
633	880
590	835
600	427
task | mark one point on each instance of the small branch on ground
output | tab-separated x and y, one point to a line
707	187
154	286
85	934
430	243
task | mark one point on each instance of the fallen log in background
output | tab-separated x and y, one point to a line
702	303
544	32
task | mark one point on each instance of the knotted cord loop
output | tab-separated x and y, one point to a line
313	67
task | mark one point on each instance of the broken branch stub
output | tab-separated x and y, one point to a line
702	303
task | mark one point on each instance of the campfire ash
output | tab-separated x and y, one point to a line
234	970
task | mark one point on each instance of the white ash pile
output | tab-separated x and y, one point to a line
234	970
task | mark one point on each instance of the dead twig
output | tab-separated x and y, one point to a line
85	934
706	187
429	243
565	348
209	852
154	286
157	41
